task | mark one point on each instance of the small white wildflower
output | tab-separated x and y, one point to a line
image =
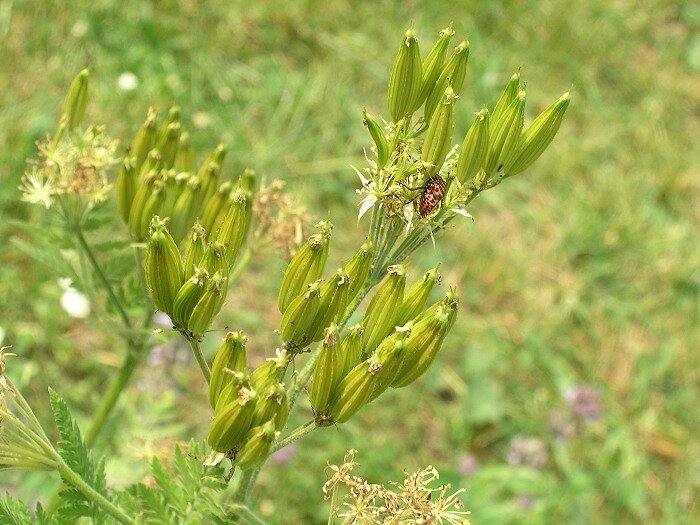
127	81
79	29
201	120
75	303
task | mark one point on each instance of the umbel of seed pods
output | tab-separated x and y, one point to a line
495	146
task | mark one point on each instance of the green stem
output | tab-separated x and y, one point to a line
197	351
295	434
248	516
72	478
245	484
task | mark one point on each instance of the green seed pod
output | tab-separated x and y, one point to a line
188	296
145	140
126	187
506	136
506	99
354	391
432	65
424	343
416	297
152	164
257	446
248	181
406	77
328	373
215	208
387	362
163	267
383	310
231	356
210	172
194	251
233	229
305	267
213	260
439	138
282	414
452	75
151	207
169	144
351	348
270	403
265	376
358	268
334	300
235	383
143	192
208	306
297	326
76	99
172	118
379	138
185	209
538	136
475	147
232	423
185	161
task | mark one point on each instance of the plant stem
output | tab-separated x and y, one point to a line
74	479
295	434
197	351
248	516
244	484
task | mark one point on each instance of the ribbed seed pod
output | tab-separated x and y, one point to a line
506	99
305	267
379	138
270	403
358	268
145	139
424	343
216	205
416	297
506	135
151	208
475	148
383	310
387	362
233	229
163	267
248	181
232	423
126	187
195	248
354	392
539	135
439	138
186	160
213	259
210	172
351	348
143	192
328	372
452	75
266	375
152	165
172	117
188	296
185	209
297	326
406	77
76	99
233	383
432	65
334	300
231	357
208	306
257	446
169	144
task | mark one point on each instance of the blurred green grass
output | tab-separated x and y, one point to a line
584	271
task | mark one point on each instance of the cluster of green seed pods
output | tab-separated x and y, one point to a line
159	176
309	303
250	408
355	369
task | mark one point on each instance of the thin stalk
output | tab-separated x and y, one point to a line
248	516
197	351
244	485
295	434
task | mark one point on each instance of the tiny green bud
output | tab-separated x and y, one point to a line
248	181
328	372
297	326
475	147
188	296
334	300
432	65
232	423
416	297
305	267
209	305
194	251
163	267
257	446
126	187
185	161
145	140
506	135
76	99
379	138
439	138
351	348
216	207
538	136
406	77
383	310
270	405
452	75
231	356
358	268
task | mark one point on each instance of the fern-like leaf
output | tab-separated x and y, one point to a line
13	511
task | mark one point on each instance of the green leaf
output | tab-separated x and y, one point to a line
13	511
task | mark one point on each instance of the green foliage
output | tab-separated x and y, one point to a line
13	511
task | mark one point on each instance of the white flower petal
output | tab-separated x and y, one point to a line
366	204
75	303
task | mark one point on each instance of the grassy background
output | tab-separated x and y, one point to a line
582	273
